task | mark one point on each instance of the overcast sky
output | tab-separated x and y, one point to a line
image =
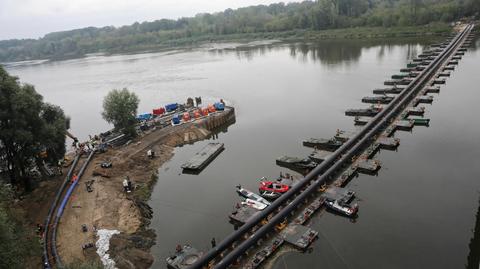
35	18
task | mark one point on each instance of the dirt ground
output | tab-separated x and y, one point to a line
109	207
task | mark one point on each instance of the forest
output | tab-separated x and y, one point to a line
275	18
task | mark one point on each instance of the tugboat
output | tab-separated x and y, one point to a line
272	189
342	208
251	195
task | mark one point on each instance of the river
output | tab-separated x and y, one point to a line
418	212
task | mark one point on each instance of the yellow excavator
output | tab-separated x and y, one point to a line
68	160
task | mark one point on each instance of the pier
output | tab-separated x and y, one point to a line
251	243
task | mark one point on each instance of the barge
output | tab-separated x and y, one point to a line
301	165
383	99
202	158
322	143
367	112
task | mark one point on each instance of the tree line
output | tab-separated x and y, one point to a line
307	15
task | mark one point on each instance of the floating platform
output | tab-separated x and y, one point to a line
408	69
319	156
368	166
301	165
423	99
457	57
415	111
362	120
183	258
404	125
348	174
343	135
264	253
420	121
392	90
298	235
414	74
424	63
200	160
387	142
420	68
444	74
453	62
400	76
432	89
242	214
368	112
306	214
449	68
384	99
337	193
322	143
392	82
439	81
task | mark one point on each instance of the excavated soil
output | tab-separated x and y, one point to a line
109	207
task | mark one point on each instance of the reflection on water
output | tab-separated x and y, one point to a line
417	213
329	52
473	259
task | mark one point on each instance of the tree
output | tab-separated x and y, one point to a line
29	128
120	109
17	243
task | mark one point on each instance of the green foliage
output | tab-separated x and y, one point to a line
16	244
120	109
307	15
28	127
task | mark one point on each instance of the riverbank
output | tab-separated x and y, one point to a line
107	206
434	29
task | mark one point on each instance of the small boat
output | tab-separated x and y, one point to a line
273	187
254	204
342	208
270	194
251	195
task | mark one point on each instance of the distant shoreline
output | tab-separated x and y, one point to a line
284	36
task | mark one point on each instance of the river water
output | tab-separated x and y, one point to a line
419	212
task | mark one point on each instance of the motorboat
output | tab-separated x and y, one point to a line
251	195
270	194
273	186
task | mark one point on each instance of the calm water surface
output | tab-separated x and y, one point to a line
419	212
